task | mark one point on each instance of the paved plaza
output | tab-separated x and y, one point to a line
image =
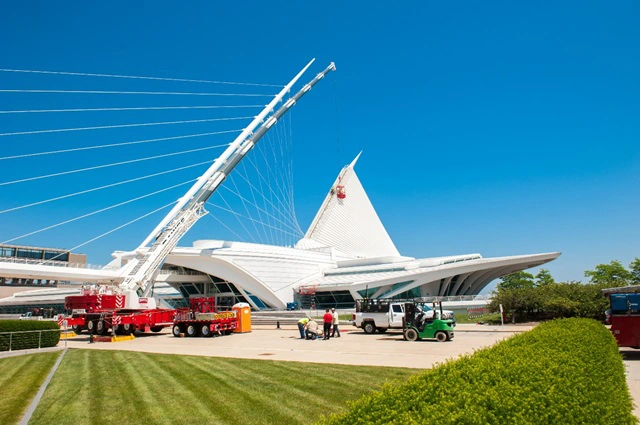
354	347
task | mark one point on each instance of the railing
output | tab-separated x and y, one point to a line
458	298
11	334
53	263
182	272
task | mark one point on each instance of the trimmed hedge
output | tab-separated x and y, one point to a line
566	371
26	340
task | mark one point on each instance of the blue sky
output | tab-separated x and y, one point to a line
492	127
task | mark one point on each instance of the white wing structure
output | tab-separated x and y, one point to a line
346	253
349	222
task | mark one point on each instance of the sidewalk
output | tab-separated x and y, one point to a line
5	354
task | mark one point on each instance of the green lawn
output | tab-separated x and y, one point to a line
463	317
107	387
20	380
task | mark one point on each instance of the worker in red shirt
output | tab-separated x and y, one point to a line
328	320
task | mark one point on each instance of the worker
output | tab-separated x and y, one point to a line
336	321
301	326
311	329
327	320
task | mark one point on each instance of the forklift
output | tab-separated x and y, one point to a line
417	324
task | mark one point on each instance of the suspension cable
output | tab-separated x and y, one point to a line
146	124
228	228
98	211
135	142
140	108
95	189
84	74
163	93
110	231
79	170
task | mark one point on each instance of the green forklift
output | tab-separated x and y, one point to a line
422	322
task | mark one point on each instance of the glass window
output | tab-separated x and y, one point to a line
7	252
29	253
56	255
397	308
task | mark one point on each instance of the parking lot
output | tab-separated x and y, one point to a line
354	347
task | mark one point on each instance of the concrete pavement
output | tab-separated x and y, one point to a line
632	365
354	347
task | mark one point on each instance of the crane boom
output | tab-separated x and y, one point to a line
140	272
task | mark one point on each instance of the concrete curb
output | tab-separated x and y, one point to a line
34	404
5	354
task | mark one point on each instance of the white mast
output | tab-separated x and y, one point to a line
140	272
222	158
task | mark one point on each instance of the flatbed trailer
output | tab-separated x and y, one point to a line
202	319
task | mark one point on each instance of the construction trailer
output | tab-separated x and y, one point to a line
624	315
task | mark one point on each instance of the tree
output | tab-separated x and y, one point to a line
544	278
612	275
635	271
516	280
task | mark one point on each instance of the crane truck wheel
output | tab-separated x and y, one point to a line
77	329
441	336
192	330
176	330
128	328
411	335
91	326
369	328
156	329
119	330
205	331
101	327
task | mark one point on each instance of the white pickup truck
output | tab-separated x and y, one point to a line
380	314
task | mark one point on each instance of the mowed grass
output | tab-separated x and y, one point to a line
107	387
20	380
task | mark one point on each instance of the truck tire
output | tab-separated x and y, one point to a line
411	335
156	329
128	329
77	329
382	330
91	326
119	330
177	330
205	331
102	327
192	330
369	327
441	336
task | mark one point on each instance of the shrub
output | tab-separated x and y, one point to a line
21	341
566	371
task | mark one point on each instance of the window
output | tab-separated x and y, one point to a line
30	253
56	255
7	252
397	308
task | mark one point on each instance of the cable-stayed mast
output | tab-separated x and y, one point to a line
140	272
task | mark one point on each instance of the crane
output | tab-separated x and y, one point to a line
139	273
